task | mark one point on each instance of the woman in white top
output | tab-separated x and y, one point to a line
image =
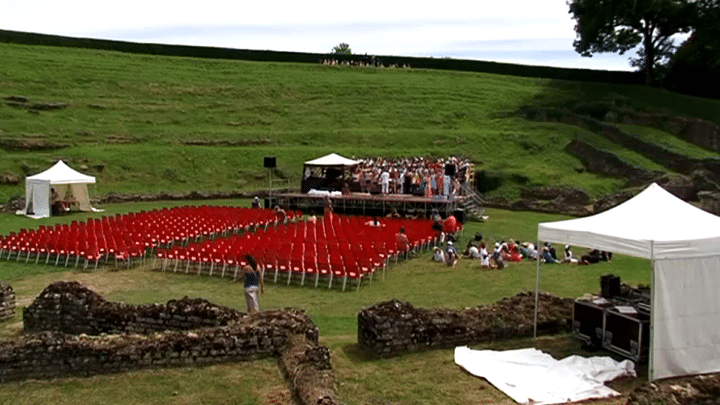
569	256
484	256
438	255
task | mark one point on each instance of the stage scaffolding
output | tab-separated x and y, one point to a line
366	204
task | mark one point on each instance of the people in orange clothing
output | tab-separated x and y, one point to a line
403	243
450	225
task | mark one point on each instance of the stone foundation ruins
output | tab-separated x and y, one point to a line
71	330
392	327
7	302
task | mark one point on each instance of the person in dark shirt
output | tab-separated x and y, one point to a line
253	283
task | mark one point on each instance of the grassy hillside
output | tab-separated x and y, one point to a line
413	378
129	118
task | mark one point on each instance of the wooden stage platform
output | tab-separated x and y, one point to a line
369	204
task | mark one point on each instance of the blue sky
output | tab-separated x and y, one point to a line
537	32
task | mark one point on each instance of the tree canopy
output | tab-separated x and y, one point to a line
342	49
618	26
695	67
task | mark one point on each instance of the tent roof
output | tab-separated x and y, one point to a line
654	225
61	173
332	159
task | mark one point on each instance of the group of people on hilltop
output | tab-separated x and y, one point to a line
416	176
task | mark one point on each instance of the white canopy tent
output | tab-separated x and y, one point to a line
332	159
65	181
329	172
682	243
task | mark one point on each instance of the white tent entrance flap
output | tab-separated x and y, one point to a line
682	243
529	376
65	181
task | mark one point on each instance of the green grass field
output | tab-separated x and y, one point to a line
134	114
129	121
413	378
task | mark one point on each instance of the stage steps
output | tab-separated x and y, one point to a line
473	204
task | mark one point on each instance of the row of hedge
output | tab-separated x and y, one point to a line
587	75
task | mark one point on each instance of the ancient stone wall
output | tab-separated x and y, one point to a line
72	308
600	161
393	326
7	302
71	330
55	354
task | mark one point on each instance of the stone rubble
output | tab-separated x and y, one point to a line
71	330
394	326
7	302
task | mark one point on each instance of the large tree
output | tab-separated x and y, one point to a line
342	49
618	26
695	67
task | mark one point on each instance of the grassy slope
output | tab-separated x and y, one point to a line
420	378
301	111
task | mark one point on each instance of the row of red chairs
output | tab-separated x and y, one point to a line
339	246
126	237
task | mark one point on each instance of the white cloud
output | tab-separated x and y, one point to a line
462	29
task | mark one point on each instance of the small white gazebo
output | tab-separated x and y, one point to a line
65	181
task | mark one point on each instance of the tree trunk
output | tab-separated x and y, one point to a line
649	58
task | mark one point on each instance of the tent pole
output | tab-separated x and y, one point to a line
537	291
651	361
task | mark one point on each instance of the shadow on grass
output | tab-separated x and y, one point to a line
597	99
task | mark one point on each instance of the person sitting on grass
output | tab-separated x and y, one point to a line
569	258
591	256
547	256
472	252
484	256
497	262
438	255
451	256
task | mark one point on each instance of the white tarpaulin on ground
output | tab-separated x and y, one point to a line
683	245
530	376
65	180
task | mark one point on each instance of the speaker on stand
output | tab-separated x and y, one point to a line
270	163
449	169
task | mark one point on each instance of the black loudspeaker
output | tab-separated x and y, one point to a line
449	169
269	162
609	286
459	214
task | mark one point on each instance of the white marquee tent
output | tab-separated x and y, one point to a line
682	243
330	160
64	180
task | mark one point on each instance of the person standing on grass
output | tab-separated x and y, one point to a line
253	283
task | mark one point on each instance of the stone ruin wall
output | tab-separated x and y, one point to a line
7	302
71	308
392	327
71	330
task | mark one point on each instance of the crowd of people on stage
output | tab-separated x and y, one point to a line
416	176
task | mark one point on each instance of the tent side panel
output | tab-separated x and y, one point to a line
40	190
80	192
686	317
28	199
